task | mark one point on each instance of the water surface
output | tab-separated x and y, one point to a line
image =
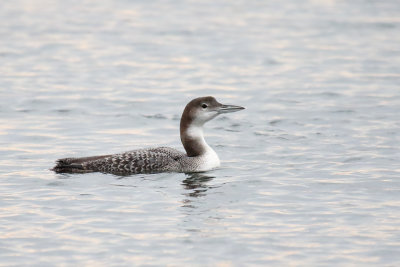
310	170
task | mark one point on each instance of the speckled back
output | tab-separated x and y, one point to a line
151	160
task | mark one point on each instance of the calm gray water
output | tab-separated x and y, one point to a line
310	172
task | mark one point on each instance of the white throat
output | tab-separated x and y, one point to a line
209	159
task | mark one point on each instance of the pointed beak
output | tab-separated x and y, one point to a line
229	108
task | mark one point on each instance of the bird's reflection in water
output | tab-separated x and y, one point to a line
195	186
196	209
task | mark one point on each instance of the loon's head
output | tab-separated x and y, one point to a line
202	109
196	113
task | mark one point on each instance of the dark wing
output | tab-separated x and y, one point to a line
138	161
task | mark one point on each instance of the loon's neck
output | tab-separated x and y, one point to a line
192	138
193	141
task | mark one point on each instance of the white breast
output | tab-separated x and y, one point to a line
209	160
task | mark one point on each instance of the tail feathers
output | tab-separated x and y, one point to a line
68	166
74	165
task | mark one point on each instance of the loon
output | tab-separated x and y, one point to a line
199	155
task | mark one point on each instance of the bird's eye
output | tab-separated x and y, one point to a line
204	106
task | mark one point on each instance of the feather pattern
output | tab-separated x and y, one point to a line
151	160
